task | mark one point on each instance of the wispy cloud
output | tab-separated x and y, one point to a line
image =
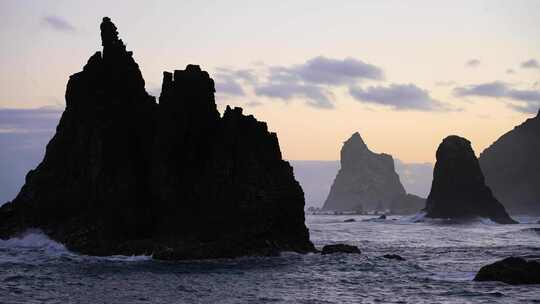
530	99
314	95
530	64
58	23
472	63
328	71
398	97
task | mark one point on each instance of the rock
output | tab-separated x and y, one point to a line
349	220
125	175
340	248
368	182
512	169
458	190
512	270
382	217
393	257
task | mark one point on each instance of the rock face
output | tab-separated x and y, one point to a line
458	190
367	181
514	271
124	175
512	169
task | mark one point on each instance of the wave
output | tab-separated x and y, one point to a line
32	239
421	217
35	240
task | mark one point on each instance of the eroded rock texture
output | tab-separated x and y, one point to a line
458	190
512	169
368	181
125	175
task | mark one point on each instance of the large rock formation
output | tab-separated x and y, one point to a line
367	181
458	190
512	168
124	175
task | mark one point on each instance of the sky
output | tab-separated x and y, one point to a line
405	74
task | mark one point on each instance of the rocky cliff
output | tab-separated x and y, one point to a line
125	175
367	181
512	169
458	190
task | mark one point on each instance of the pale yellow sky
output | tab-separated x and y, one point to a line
421	43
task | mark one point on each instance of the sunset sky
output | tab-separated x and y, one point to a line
404	74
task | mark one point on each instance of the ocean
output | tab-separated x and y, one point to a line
441	261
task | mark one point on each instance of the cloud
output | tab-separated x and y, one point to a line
315	96
327	71
530	64
530	99
490	89
473	63
247	75
398	97
229	81
58	23
229	87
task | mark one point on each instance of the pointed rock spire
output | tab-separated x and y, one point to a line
458	190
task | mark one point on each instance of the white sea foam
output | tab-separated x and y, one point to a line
32	239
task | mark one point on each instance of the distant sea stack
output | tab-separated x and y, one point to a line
367	181
458	190
125	175
511	166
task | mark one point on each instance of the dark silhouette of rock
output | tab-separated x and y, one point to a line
382	217
512	270
340	248
349	220
124	175
458	190
512	169
393	257
367	181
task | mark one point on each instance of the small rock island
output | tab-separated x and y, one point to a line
458	190
126	175
367	181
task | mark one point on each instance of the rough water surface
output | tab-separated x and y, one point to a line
441	261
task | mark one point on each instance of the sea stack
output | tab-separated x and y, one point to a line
125	175
512	168
458	190
367	181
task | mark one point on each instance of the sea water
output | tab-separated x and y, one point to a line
441	261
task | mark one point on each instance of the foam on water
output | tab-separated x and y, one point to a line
33	239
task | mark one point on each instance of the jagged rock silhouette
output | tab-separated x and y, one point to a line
125	175
367	181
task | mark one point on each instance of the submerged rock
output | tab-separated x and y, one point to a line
512	169
368	181
458	190
125	175
349	220
340	248
511	270
393	257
